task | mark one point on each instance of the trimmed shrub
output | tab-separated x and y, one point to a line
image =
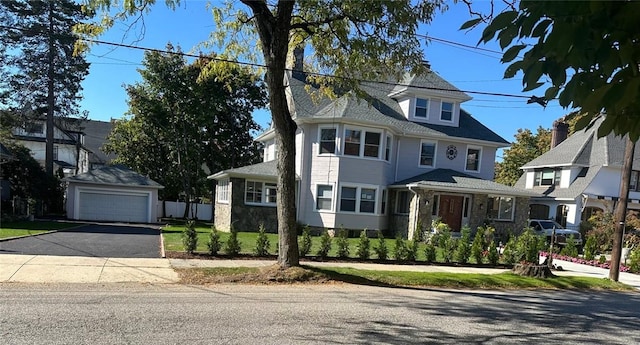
412	250
400	249
634	260
447	244
214	244
430	252
477	247
493	256
262	242
232	246
590	248
463	250
304	247
325	244
364	244
343	243
602	259
509	255
570	249
528	246
190	237
381	249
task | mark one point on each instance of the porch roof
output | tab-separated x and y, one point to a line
265	170
455	181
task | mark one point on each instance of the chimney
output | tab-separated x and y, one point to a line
559	132
298	58
426	64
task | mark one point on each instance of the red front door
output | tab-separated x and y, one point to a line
450	211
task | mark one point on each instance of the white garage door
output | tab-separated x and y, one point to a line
114	207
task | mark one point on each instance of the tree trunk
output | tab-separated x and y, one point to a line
50	97
531	270
621	210
274	39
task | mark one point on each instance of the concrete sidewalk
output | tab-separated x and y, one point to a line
77	269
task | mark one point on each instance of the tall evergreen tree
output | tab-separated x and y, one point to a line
45	73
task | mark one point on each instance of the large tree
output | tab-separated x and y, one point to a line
46	72
589	52
526	147
183	119
351	40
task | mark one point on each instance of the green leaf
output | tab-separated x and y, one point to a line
533	86
470	23
551	93
512	53
513	69
540	29
499	23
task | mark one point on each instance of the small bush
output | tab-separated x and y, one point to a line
190	237
570	249
400	249
528	246
363	246
232	246
214	244
412	250
603	227
381	249
634	260
325	244
430	252
463	250
343	243
477	247
602	259
509	254
262	242
304	247
590	248
447	244
493	256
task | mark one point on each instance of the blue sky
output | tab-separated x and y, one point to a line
190	24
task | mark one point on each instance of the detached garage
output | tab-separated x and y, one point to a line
112	193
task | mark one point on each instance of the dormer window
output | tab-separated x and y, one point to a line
422	106
547	177
446	112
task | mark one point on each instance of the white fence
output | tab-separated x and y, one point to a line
176	210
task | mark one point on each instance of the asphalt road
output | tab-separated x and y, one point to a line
331	314
97	240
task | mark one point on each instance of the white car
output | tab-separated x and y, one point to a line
544	227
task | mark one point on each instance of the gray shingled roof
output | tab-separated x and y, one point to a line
447	179
380	109
95	135
575	189
114	175
264	170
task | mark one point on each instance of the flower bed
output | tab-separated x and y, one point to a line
595	263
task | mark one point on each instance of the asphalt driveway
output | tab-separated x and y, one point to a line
97	240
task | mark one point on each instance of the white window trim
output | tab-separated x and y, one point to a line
336	141
263	195
363	133
334	192
453	111
226	186
415	105
513	207
435	153
472	147
359	187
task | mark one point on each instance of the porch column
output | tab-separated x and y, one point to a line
419	211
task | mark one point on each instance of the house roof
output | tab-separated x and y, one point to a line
455	181
114	175
266	170
381	109
95	135
575	189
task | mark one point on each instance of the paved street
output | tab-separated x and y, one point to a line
94	240
338	314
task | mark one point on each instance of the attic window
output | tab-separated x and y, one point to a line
421	107
547	177
446	112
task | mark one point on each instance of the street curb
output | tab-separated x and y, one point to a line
162	253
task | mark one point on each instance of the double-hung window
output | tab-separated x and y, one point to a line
327	140
500	208
358	199
547	177
427	154
422	107
473	159
446	111
372	144
257	192
402	202
222	191
352	142
362	143
324	197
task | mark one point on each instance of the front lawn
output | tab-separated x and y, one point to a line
15	229
307	274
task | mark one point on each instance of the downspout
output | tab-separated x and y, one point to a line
414	221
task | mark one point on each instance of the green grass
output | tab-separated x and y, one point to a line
14	229
413	279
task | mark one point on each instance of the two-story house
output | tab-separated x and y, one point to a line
579	176
392	162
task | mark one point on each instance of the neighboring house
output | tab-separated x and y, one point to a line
95	136
393	162
112	193
579	176
69	152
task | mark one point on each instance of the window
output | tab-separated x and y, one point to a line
361	199
324	197
547	177
260	192
402	202
422	106
372	144
55	152
538	211
446	112
352	142
500	207
348	199
473	159
634	184
561	215
34	128
222	191
387	149
383	202
327	140
427	154
436	204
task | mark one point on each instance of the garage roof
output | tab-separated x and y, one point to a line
114	175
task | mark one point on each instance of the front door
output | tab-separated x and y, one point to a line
450	211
